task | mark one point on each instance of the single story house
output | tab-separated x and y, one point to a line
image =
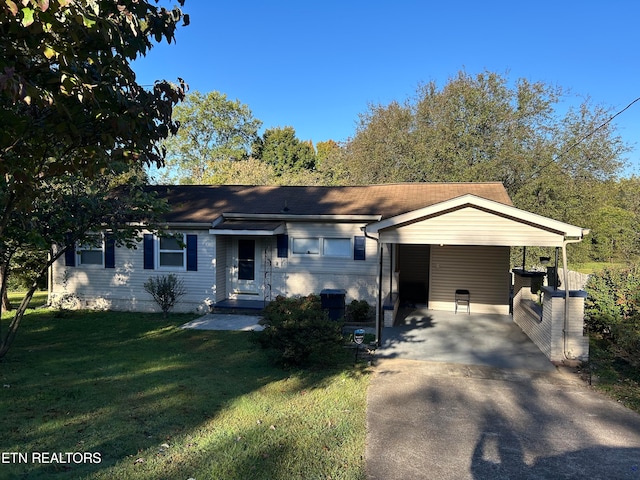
418	242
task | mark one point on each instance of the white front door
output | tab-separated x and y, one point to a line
247	267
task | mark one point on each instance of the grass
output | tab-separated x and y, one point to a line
613	375
39	299
594	267
151	400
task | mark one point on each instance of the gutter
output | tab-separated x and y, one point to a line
292	217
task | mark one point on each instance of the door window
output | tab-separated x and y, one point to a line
246	259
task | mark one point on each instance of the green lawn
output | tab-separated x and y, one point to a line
593	267
39	299
152	401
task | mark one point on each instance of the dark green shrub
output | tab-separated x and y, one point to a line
166	290
299	333
359	311
612	307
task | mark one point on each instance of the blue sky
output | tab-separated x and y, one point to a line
316	65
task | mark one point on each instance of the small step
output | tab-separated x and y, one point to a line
240	307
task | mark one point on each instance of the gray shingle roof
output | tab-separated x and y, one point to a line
204	203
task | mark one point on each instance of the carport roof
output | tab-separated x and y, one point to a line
507	214
205	203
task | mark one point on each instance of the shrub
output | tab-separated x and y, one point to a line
299	333
359	311
612	307
166	290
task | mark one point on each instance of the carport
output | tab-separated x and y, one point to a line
467	241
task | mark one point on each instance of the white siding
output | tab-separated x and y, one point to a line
305	274
471	226
484	271
121	288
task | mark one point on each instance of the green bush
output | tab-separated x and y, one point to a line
359	311
612	308
166	290
299	333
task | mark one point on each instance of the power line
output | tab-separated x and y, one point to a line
582	139
595	130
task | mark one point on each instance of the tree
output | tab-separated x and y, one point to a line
281	148
472	129
68	212
484	128
240	172
329	163
614	234
255	172
325	150
74	120
478	128
212	128
615	221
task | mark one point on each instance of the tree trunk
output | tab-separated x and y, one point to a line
12	331
6	338
6	306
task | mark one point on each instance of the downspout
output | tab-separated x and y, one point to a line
391	246
565	242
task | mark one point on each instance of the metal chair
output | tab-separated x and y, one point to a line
463	298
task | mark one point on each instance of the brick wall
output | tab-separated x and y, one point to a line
545	325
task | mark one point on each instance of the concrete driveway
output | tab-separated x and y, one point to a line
470	419
476	339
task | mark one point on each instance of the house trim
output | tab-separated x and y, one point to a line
261	229
299	218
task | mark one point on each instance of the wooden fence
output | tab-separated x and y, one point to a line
577	280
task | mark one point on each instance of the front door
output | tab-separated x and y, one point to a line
247	266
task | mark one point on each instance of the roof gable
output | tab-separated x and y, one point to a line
471	220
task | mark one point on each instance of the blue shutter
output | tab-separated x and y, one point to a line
70	254
283	246
109	251
192	253
359	248
147	244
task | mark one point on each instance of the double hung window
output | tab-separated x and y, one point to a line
91	252
171	252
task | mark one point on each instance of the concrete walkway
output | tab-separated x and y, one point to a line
221	321
478	410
